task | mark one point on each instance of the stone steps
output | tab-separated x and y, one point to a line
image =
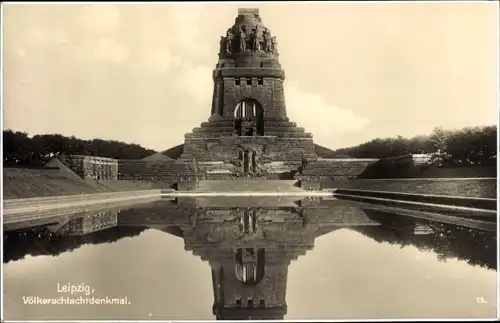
213	129
230	130
267	123
283	129
208	134
230	202
289	134
278	134
216	124
247	186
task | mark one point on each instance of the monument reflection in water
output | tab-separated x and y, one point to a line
367	264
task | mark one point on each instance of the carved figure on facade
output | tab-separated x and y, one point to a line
274	43
225	232
214	236
233	216
197	214
268	43
222	44
305	219
256	39
203	214
229	42
243	41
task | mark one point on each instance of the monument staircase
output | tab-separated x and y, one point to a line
247	201
226	128
248	185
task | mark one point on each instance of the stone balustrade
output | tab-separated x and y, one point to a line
93	166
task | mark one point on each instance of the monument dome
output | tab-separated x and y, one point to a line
248	43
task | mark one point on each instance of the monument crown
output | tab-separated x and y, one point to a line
248	11
248	36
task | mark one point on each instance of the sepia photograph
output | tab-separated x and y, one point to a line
203	161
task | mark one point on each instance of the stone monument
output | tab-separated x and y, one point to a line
248	133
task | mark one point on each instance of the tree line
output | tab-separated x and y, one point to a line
467	146
21	149
477	248
40	241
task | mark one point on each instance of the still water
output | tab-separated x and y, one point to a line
228	258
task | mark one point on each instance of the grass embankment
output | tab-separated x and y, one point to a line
40	182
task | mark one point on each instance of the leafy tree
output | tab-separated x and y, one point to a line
476	247
467	146
20	149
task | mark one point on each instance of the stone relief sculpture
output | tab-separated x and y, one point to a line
214	236
233	216
255	165
204	215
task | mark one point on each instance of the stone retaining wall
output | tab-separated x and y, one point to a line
333	169
31	210
77	197
485	187
273	148
153	170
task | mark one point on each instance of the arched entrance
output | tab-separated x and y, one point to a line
249	118
249	265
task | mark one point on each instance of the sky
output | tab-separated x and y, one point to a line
142	73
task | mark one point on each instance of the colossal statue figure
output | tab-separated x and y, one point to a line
256	39
229	41
274	42
243	41
222	43
268	44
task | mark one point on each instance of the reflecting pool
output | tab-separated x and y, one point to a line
240	258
